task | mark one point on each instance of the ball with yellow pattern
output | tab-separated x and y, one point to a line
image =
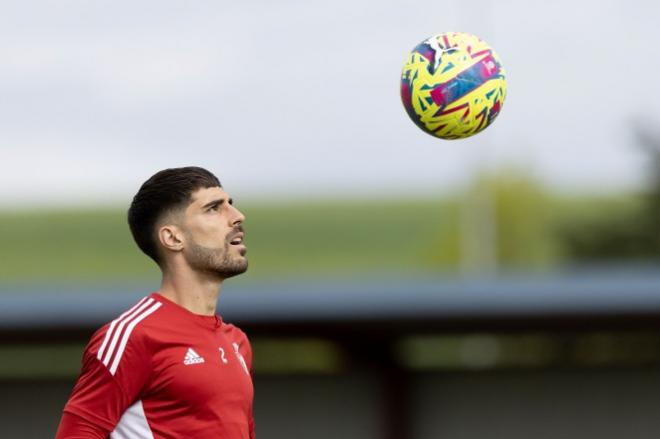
453	85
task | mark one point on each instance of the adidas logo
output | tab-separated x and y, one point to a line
192	358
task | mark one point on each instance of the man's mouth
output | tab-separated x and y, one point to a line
237	240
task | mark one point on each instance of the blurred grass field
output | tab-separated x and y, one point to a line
282	239
308	239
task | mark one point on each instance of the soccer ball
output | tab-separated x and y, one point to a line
453	85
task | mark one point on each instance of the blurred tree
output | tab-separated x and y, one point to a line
520	225
628	234
524	216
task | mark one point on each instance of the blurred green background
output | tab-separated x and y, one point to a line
534	229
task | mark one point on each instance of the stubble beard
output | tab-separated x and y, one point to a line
217	262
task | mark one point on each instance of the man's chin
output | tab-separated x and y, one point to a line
239	268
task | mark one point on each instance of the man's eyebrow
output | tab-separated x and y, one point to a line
216	203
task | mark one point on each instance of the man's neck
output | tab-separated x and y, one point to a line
196	292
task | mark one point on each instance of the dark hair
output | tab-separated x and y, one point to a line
165	191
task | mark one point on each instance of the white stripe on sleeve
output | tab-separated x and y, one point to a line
108	333
129	329
117	333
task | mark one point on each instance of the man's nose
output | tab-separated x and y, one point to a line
238	217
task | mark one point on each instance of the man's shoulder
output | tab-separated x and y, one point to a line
134	323
234	332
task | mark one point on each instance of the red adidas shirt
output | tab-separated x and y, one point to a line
160	371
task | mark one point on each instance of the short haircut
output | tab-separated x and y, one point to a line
166	191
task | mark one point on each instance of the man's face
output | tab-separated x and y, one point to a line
213	229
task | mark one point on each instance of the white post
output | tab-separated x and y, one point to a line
478	216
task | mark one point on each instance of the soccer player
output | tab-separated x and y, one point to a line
169	367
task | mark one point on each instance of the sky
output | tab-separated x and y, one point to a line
301	98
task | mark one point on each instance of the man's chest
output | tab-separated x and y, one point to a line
202	374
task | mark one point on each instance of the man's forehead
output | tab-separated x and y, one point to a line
207	194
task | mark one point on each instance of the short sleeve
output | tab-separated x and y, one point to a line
116	366
75	427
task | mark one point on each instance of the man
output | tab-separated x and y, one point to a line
169	367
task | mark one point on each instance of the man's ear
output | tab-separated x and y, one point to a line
171	237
